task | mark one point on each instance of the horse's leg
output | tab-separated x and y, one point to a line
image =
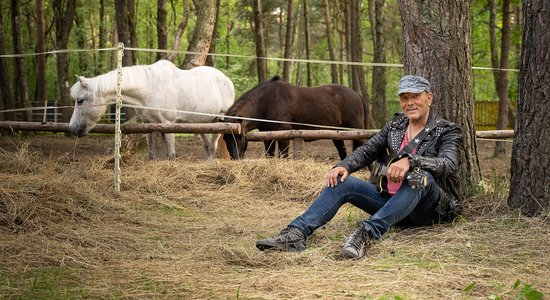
156	145
170	142
357	143
341	147
151	146
269	148
214	139
207	145
284	145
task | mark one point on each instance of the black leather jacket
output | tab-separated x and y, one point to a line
437	154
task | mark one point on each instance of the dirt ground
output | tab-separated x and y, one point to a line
189	147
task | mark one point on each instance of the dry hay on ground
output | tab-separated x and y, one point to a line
187	228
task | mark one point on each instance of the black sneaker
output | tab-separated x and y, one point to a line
289	239
354	247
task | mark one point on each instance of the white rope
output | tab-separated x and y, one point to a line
118	132
54	52
239	118
315	61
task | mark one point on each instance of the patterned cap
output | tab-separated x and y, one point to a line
413	84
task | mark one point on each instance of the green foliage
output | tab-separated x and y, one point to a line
236	38
517	291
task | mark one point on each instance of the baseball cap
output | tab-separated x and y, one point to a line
413	84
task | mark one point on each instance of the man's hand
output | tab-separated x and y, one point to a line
332	176
397	170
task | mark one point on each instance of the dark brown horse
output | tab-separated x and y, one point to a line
332	105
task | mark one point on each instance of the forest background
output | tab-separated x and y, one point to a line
310	48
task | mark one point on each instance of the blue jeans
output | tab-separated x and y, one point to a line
407	206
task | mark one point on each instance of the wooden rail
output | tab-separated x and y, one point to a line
348	135
221	127
128	128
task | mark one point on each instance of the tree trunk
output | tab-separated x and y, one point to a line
80	32
211	59
21	84
123	25
132	30
288	40
101	66
41	97
502	85
123	30
309	81
202	35
5	89
181	28
228	31
346	7
358	73
63	17
380	111
530	179
261	63
437	37
330	42
162	33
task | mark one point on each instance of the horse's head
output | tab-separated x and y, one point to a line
236	143
88	107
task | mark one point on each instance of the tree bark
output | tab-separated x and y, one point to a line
202	35
80	32
261	53
101	66
530	178
502	84
380	111
5	89
123	30
40	58
132	30
309	81
21	83
330	42
64	17
162	33
211	59
123	25
358	73
288	40
437	37
181	28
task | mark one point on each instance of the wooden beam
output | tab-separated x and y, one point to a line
310	135
235	128
495	134
128	128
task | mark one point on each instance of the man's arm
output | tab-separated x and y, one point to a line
446	161
367	153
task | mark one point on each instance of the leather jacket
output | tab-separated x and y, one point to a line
437	154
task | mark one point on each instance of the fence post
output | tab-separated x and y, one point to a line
118	132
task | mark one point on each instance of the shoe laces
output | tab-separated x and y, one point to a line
290	233
358	238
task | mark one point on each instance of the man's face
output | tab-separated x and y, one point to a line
416	106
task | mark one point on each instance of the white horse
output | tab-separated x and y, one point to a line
160	85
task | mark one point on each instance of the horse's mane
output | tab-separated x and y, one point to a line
251	95
135	76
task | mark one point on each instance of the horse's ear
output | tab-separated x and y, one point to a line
275	78
83	80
